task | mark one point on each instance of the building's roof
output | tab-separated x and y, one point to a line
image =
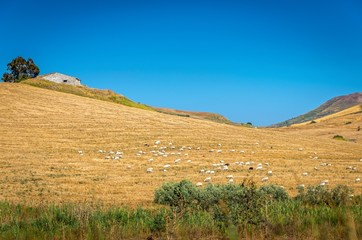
56	73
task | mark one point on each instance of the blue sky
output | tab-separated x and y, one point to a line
252	61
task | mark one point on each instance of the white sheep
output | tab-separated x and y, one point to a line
199	184
265	179
208	179
324	182
167	166
270	173
231	181
150	160
177	160
357	180
229	176
305	174
149	170
157	142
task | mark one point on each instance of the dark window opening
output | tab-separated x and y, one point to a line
65	81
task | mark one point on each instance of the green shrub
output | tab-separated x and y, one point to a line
235	203
322	195
273	192
177	195
339	137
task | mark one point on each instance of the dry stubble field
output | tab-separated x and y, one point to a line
42	132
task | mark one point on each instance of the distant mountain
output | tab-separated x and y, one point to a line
110	96
332	106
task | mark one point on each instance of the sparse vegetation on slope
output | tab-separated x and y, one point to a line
105	95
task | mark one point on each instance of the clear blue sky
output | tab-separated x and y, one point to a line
252	61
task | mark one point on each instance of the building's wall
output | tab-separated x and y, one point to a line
61	78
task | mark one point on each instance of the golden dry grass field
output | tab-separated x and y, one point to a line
42	132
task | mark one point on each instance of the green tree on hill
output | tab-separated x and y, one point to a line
20	69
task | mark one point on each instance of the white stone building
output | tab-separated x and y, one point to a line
61	78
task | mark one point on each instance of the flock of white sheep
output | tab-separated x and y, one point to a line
181	154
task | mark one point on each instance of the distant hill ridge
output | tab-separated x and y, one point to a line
215	117
110	96
332	106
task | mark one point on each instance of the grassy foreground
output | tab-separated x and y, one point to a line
213	212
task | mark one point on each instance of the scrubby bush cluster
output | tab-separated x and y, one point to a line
230	203
244	206
321	195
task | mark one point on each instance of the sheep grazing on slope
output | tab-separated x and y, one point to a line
208	179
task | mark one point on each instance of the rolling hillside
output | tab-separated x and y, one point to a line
340	117
110	96
332	106
50	146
